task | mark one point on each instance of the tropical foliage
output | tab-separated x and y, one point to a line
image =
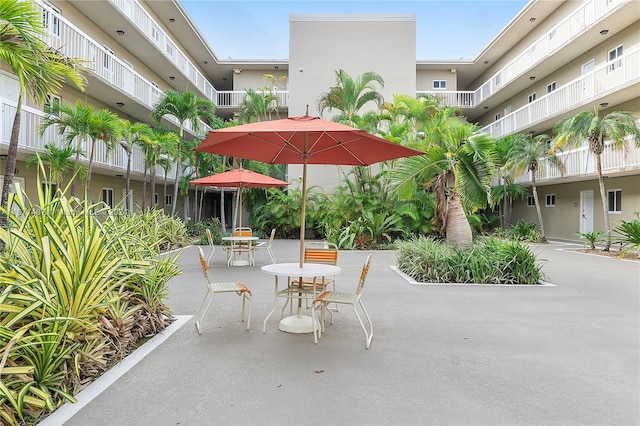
79	285
491	261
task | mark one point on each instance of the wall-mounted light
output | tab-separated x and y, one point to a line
172	20
486	107
205	62
120	32
532	132
486	62
453	70
119	104
604	32
224	78
119	176
532	20
533	77
171	77
604	104
276	67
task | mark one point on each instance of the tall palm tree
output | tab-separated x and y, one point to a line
350	95
131	135
596	129
261	105
80	122
184	107
457	165
41	72
532	154
155	145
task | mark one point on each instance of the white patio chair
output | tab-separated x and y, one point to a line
212	247
268	245
215	288
352	299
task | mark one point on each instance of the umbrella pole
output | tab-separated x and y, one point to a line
304	199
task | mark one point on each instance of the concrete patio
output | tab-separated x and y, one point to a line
447	355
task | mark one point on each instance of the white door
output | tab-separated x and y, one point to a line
586	211
587	82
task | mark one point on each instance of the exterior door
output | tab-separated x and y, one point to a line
586	211
588	81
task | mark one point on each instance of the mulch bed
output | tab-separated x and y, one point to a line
631	255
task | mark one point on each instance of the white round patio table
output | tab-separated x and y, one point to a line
297	323
239	239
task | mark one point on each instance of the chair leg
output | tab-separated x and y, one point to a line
208	298
273	258
368	334
246	296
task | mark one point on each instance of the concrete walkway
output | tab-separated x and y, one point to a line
442	355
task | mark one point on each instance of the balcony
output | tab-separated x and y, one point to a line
30	142
559	36
607	79
580	164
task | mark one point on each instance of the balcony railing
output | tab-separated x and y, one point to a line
30	140
557	37
604	79
581	162
233	99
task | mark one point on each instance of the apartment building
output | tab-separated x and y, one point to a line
552	60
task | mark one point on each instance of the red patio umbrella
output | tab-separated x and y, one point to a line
303	140
239	178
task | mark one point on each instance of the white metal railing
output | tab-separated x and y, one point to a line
602	80
587	15
233	99
31	140
147	25
581	162
101	62
462	99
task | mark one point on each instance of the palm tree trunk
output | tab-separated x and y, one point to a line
504	204
458	230
177	176
603	197
152	198
12	155
128	204
223	221
164	194
144	188
88	183
538	210
76	166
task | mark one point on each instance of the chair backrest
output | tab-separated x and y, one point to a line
273	234
243	232
205	266
363	275
209	238
326	253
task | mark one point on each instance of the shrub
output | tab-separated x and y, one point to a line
591	237
491	261
524	231
628	235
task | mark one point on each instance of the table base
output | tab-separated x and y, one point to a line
240	262
298	324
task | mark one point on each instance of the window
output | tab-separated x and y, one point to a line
551	87
168	200
497	117
551	200
439	84
107	58
531	202
50	186
497	80
613	55
155	88
615	200
155	199
552	34
51	19
107	196
155	33
532	97
53	101
507	110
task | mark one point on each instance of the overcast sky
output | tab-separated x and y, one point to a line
453	29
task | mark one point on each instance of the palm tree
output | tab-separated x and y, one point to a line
532	154
41	72
57	158
457	166
596	129
261	105
349	96
154	146
184	107
131	135
80	122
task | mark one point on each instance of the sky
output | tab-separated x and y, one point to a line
452	29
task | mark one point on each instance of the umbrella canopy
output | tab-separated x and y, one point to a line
303	140
239	178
